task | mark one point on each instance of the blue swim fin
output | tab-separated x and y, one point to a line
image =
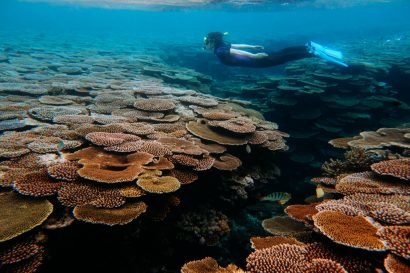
328	54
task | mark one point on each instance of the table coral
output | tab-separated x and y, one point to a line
114	216
21	214
399	168
353	231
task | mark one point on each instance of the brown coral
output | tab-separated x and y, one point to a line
205	102
277	259
394	264
353	262
236	125
131	191
29	265
302	213
398	200
85	129
342	143
324	266
37	183
160	164
73	119
388	213
353	231
217	115
227	162
116	216
110	139
76	194
383	137
205	265
397	239
184	177
11	150
54	100
399	168
20	214
367	182
140	129
155	148
162	184
258	138
19	251
283	226
205	163
109	168
324	180
183	146
210	148
52	144
199	164
66	171
126	147
341	206
154	105
266	242
203	131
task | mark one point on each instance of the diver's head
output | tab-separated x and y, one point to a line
213	39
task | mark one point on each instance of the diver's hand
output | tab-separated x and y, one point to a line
258	47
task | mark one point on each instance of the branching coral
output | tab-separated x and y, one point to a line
206	226
354	160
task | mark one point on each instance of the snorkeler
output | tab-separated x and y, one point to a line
233	55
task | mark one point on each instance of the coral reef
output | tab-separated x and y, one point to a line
369	215
81	148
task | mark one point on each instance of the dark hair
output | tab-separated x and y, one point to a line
215	37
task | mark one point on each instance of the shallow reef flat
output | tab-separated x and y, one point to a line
106	139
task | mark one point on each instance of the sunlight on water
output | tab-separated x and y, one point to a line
140	4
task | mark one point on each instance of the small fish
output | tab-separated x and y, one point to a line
280	197
60	145
320	192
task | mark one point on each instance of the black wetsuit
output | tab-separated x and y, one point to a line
274	58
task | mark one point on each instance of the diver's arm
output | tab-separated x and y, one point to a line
247	54
246	46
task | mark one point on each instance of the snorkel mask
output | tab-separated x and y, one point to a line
209	40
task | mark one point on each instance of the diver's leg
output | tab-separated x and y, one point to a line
289	54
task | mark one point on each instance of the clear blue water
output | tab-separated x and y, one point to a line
191	24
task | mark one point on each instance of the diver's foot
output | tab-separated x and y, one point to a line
325	53
261	55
